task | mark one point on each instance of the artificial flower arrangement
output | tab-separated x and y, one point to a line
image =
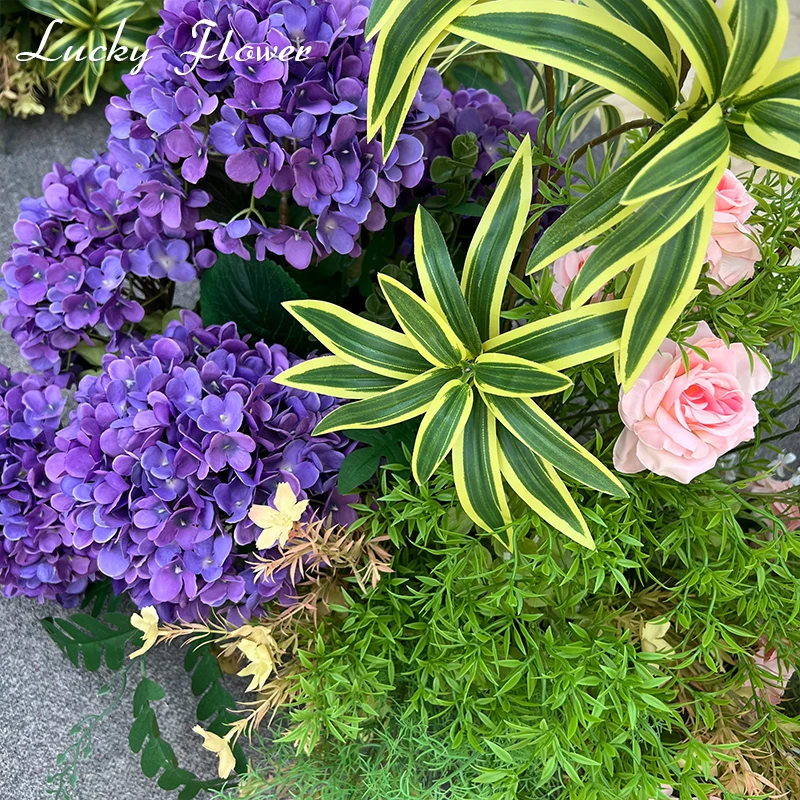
462	458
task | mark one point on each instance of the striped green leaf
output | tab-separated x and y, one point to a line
696	152
699	31
95	40
44	7
783	81
74	39
335	377
646	230
404	39
537	484
512	376
367	345
381	13
439	282
639	16
552	443
665	286
135	36
602	207
111	16
761	28
426	328
443	422
476	470
492	249
70	77
775	124
619	57
406	401
567	339
74	13
744	147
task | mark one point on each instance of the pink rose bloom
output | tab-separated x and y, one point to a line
678	423
790	515
732	203
566	269
781	672
731	255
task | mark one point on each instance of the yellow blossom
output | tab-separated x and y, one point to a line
652	636
221	747
278	522
261	665
147	623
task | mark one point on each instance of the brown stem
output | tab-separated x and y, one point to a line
283	211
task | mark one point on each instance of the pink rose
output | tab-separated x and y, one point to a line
566	269
731	255
790	515
678	423
732	203
780	672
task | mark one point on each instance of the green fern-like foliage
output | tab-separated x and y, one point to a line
83	636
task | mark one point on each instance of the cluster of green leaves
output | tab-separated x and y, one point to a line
89	640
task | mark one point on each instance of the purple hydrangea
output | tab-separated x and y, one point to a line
167	451
38	556
297	127
98	241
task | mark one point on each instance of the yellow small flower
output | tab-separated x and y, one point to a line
278	522
147	623
653	640
261	665
221	747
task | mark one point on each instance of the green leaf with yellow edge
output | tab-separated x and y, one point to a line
555	33
775	124
335	377
381	13
72	40
744	147
443	422
112	15
552	443
494	244
408	400
665	285
439	282
701	33
646	230
601	208
476	470
358	341
74	13
761	29
694	153
512	376
427	328
567	339
70	77
539	486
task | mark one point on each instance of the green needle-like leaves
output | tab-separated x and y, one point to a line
464	389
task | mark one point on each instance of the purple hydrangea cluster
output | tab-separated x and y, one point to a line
94	245
295	126
167	451
38	557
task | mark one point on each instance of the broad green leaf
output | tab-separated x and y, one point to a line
74	13
665	286
744	147
549	441
775	124
357	468
251	293
694	153
602	207
494	244
439	282
537	484
111	16
443	422
620	58
512	376
699	31
567	339
761	28
404	39
358	341
646	230
426	328
476	470
410	399
335	377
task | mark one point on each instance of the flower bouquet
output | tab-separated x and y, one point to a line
455	436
